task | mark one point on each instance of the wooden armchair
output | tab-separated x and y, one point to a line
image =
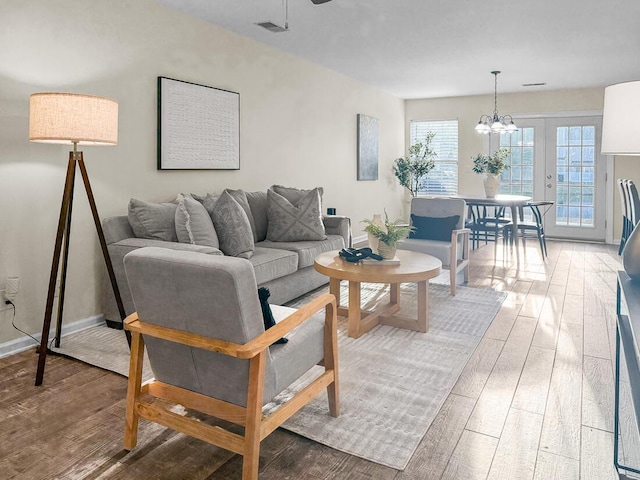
200	319
452	246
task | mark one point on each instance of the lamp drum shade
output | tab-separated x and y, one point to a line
621	119
73	118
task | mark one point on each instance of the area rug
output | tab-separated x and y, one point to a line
392	381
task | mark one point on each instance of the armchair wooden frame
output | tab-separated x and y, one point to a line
457	265
256	426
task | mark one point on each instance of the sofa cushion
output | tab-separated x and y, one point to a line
294	223
233	228
307	251
153	220
193	223
433	228
241	197
270	263
133	243
258	204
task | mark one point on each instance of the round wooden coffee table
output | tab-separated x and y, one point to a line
414	268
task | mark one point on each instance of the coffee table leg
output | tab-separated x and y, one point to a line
354	309
394	293
334	289
423	307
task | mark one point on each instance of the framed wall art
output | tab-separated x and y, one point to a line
367	147
198	127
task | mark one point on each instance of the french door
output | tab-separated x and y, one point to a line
575	178
558	159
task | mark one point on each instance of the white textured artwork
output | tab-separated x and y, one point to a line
367	147
198	127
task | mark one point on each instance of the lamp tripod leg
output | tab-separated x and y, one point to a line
103	244
62	225
65	261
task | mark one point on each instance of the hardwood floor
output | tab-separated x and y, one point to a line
534	402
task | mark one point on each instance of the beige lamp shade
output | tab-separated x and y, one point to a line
73	118
621	119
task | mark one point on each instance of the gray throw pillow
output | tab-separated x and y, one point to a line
258	203
294	223
241	197
208	202
233	227
294	195
193	223
153	220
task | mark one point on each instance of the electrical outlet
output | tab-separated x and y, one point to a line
3	306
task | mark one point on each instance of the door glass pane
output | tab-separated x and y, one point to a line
575	170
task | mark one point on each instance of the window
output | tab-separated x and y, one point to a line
518	180
443	179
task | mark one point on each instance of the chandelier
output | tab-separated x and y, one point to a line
495	123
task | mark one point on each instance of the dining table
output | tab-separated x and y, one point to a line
515	202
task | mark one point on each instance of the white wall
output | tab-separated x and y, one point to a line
298	128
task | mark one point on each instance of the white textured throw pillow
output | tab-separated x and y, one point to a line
294	223
193	223
233	228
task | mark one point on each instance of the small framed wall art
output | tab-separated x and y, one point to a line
198	127
367	147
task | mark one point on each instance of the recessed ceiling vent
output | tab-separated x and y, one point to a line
272	27
539	84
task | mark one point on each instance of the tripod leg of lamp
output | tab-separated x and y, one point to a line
65	261
62	225
103	244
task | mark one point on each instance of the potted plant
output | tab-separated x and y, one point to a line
388	234
412	169
491	166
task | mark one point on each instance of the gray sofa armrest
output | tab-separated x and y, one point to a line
338	225
116	229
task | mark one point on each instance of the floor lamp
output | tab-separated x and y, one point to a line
75	119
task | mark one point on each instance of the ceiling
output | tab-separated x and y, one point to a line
431	48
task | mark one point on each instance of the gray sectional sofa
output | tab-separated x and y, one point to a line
286	268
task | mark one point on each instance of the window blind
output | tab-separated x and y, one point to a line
443	179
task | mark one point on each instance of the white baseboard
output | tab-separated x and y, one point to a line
359	240
21	344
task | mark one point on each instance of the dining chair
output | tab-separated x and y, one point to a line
624	202
536	226
488	223
634	203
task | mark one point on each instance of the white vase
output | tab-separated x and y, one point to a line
491	184
373	241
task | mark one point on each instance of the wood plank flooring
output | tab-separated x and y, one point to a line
534	402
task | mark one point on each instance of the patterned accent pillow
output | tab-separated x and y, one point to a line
153	220
233	227
193	223
294	195
241	197
294	223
